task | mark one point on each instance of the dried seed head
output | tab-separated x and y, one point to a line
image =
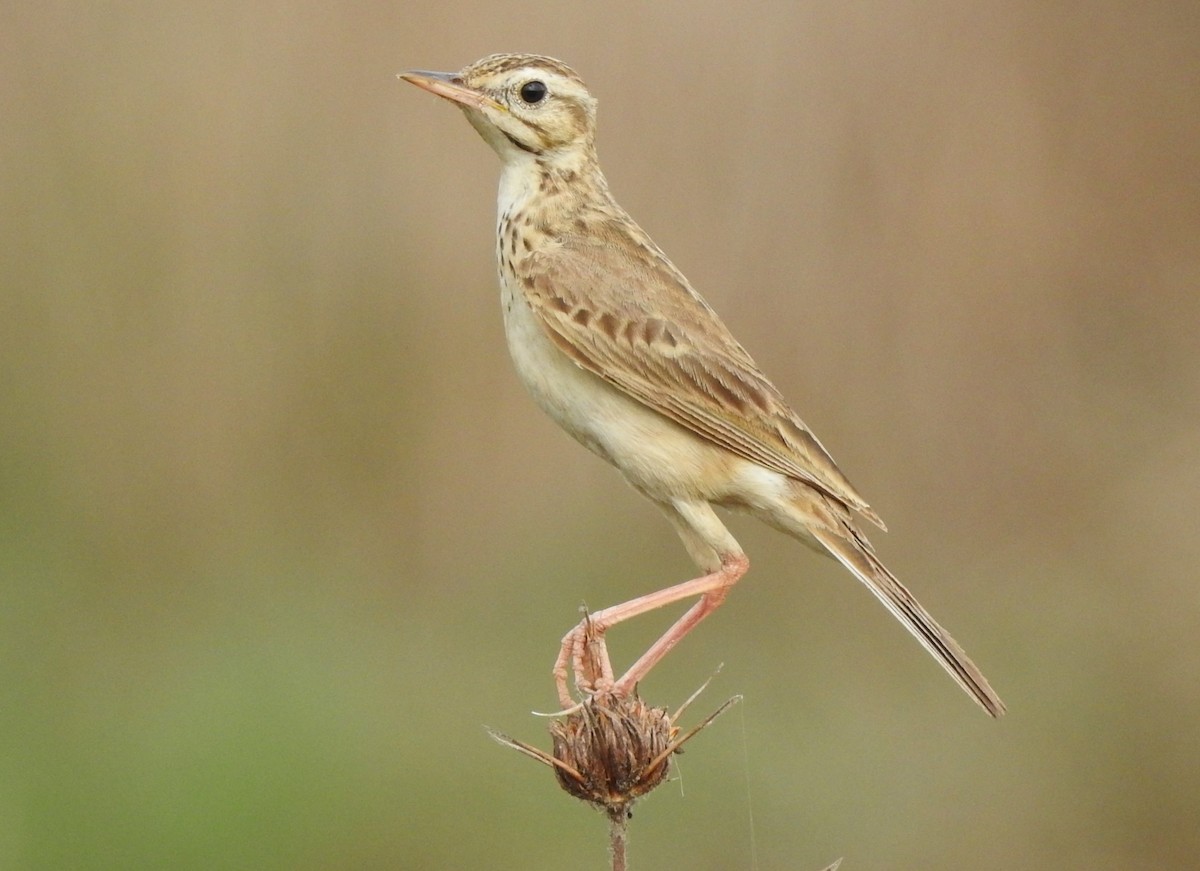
612	750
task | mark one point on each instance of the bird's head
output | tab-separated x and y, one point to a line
521	104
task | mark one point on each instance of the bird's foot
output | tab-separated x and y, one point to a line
584	648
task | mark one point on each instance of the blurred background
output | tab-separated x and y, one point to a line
280	532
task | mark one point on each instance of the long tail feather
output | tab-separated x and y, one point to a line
851	551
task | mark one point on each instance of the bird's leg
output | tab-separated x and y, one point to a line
731	571
584	645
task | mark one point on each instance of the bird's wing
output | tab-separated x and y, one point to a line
626	314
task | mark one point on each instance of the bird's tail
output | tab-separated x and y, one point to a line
849	548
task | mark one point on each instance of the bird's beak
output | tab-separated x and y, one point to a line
445	85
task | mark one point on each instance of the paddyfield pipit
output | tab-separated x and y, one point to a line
619	349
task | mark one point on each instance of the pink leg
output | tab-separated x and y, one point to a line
584	645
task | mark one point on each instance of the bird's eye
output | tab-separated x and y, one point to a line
533	92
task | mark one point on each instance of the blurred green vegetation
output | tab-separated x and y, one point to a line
279	532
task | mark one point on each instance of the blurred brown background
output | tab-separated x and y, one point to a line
279	531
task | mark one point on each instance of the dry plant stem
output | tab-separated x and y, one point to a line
618	838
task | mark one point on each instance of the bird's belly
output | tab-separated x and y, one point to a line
659	457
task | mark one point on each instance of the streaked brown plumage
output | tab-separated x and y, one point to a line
615	345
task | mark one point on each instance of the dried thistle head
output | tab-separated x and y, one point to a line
612	750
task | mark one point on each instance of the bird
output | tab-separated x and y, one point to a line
617	347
